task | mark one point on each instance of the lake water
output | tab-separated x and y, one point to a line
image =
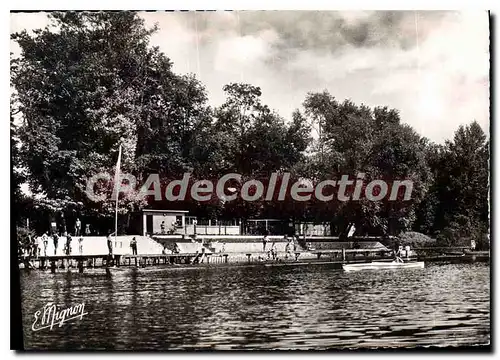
292	307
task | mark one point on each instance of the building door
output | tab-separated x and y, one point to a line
149	224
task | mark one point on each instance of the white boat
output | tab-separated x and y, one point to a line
380	265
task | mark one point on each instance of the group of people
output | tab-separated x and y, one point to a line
397	252
133	244
290	246
38	245
41	242
175	224
60	227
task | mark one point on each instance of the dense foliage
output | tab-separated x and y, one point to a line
91	81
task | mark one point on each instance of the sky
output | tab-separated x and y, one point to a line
431	66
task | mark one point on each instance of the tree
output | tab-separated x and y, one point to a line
87	82
255	139
426	213
463	187
356	139
250	139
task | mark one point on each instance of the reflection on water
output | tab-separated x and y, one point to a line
302	307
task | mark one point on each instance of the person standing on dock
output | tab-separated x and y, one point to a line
78	227
68	244
264	242
273	251
110	243
80	245
162	227
45	240
34	246
39	245
133	246
55	238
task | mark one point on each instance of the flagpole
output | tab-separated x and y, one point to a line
117	183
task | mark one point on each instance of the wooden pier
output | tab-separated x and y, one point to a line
335	256
105	261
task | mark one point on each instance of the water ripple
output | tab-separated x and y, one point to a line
309	307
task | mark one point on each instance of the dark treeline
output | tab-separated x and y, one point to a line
93	79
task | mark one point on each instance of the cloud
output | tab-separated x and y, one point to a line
432	66
20	21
